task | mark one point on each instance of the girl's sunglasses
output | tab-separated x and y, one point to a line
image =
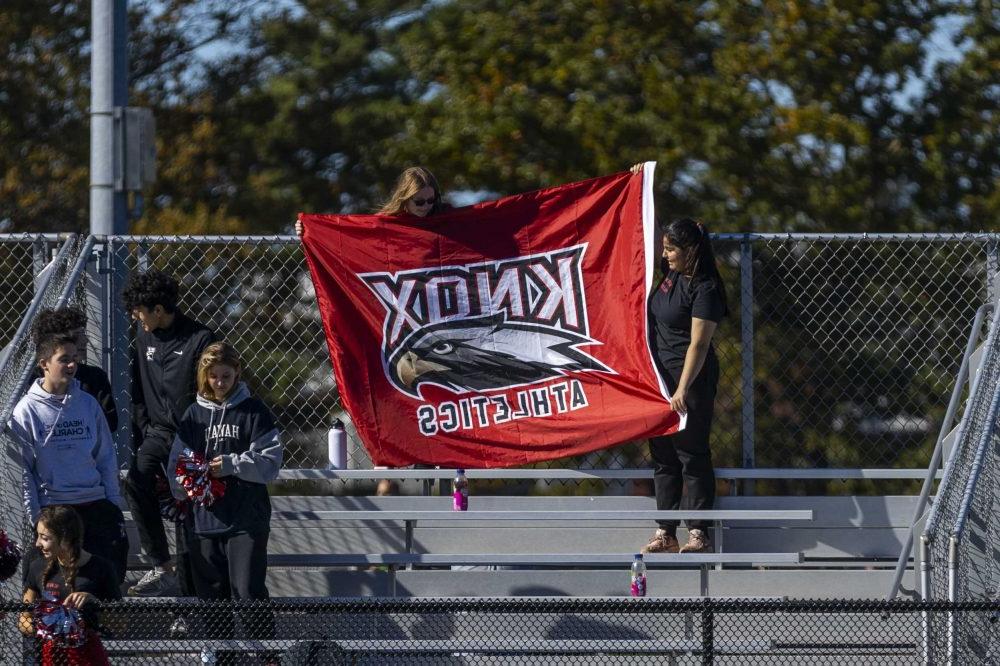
421	202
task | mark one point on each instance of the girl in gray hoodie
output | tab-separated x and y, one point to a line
67	453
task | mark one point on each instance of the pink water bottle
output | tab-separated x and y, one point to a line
461	494
638	576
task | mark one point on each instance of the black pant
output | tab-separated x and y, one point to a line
684	458
103	535
148	463
232	567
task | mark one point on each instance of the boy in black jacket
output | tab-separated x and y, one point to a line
167	346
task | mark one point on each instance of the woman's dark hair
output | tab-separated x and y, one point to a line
66	526
692	236
150	289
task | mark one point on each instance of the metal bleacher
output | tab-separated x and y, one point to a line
411	548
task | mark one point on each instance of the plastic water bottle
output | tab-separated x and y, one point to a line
336	445
461	494
207	656
638	576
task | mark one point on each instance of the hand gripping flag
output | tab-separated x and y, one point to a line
499	334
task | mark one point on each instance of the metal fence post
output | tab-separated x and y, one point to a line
95	298
99	305
952	597
118	321
992	270
142	257
39	255
746	352
707	633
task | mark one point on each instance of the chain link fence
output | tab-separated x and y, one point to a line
852	349
839	350
56	282
839	353
977	536
961	542
974	434
520	631
22	257
256	294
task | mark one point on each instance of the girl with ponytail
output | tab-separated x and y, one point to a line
72	576
684	312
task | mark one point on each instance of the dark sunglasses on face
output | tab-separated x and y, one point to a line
421	202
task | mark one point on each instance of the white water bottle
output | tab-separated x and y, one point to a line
207	656
638	576
336	445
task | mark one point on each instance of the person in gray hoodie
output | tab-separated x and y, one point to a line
67	453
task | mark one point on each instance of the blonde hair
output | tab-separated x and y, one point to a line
411	181
217	353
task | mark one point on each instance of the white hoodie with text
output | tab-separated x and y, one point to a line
67	452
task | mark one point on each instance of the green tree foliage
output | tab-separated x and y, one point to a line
960	131
298	120
45	96
44	131
763	115
768	115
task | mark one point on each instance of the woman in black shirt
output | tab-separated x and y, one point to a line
68	574
684	312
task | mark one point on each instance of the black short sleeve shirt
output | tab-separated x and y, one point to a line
675	302
97	576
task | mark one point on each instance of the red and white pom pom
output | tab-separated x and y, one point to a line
10	556
193	477
171	508
59	624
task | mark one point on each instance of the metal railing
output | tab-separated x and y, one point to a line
959	545
933	472
55	283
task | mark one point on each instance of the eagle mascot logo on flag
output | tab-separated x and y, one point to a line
499	334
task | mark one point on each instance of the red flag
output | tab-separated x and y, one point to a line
500	334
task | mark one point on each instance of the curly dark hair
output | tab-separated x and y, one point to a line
46	346
149	290
57	321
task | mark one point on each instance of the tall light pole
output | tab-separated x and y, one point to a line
108	327
108	99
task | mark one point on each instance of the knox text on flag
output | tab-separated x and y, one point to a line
495	335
